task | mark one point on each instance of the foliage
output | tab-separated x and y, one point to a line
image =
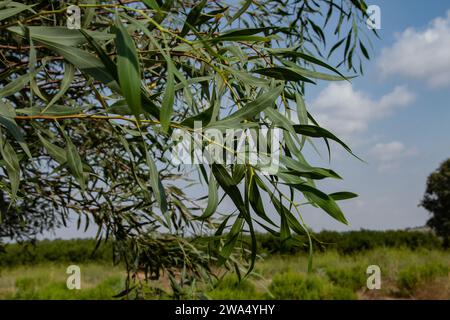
352	241
87	117
411	277
86	250
306	287
47	279
437	201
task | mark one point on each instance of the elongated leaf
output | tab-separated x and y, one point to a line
155	181
12	11
12	165
241	11
169	98
252	108
344	195
17	84
74	163
314	74
57	153
61	35
7	114
191	19
69	71
213	199
319	132
86	62
128	68
282	73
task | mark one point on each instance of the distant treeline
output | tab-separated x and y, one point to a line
82	250
352	241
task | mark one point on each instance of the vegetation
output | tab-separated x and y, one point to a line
87	118
437	201
418	274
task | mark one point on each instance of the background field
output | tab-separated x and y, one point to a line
413	266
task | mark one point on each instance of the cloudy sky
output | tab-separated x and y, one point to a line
396	117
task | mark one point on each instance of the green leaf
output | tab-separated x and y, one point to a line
12	11
192	17
241	11
7	114
12	165
322	200
319	132
251	109
61	35
213	199
128	68
17	84
152	4
302	114
344	195
54	110
57	153
69	72
314	74
169	98
74	162
155	181
281	73
86	62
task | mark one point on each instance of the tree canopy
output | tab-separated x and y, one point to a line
88	115
437	201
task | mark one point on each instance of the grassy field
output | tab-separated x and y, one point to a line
405	274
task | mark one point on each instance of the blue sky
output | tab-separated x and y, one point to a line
396	117
403	134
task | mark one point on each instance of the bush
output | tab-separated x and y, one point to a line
353	277
230	288
351	242
410	278
296	286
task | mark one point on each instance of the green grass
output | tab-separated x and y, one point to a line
405	273
48	282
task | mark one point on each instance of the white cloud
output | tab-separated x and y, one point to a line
421	54
347	111
389	155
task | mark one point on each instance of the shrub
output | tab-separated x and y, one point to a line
353	277
411	277
296	286
230	288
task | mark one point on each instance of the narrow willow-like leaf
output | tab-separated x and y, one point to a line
213	198
57	153
155	181
17	84
128	68
241	11
12	165
86	62
282	73
12	11
61	35
7	115
74	162
169	98
252	108
69	72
